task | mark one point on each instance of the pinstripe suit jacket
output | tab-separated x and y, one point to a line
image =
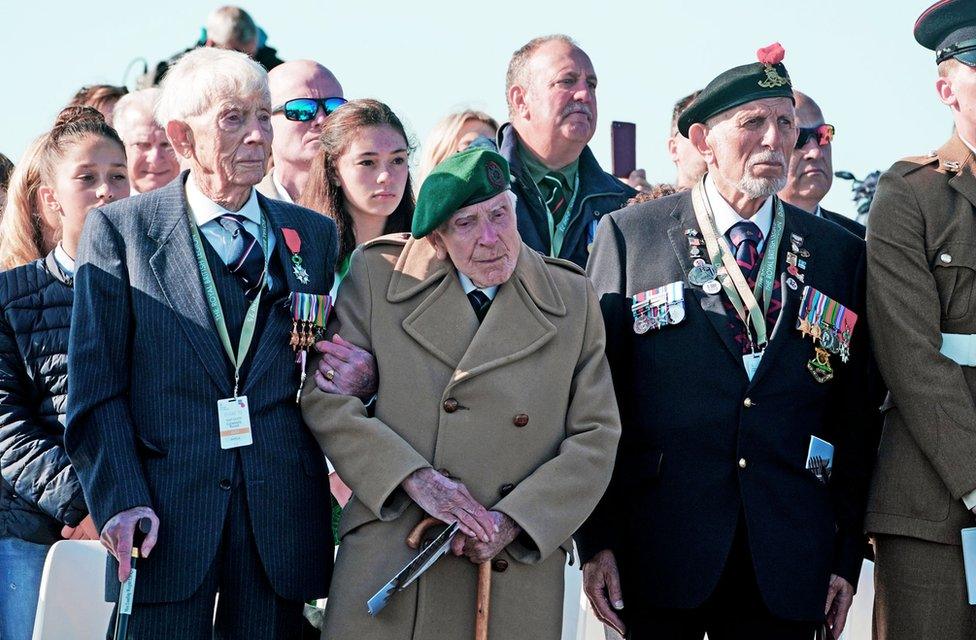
147	368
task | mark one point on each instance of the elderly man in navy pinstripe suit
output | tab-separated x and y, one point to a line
182	399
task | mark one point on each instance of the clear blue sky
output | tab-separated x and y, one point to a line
857	58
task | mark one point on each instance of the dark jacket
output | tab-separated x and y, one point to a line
853	226
702	444
147	369
40	492
599	193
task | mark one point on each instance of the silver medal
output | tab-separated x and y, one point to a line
698	276
712	287
677	313
642	324
300	273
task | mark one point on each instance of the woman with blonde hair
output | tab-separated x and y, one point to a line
77	166
455	132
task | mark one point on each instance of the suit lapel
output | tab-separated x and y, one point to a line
277	325
174	264
711	305
516	325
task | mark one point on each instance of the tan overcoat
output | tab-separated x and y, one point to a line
521	410
921	282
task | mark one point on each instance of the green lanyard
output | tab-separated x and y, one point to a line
557	233
213	300
743	299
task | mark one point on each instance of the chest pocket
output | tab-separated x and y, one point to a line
954	269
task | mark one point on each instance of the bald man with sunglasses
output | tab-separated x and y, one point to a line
303	94
811	170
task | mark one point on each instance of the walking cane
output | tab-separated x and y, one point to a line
127	590
484	580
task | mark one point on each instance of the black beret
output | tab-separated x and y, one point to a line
764	79
948	27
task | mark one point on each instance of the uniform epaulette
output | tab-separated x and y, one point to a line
566	264
913	163
395	239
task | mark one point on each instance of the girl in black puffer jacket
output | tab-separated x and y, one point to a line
79	165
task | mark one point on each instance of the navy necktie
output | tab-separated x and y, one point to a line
480	303
745	237
249	266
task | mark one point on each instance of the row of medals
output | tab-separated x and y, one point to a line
303	333
649	316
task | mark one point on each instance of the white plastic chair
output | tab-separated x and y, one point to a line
71	605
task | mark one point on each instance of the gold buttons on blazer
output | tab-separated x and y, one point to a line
451	405
742	463
747	403
520	420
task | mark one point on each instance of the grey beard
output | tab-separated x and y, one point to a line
761	187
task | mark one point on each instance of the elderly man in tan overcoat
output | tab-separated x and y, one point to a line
494	410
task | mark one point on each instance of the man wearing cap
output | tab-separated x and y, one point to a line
737	341
811	170
494	410
921	275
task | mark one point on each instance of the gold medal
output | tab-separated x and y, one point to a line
819	367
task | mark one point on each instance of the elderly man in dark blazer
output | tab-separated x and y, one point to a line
182	405
737	498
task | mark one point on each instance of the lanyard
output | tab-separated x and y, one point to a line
557	233
213	300
743	299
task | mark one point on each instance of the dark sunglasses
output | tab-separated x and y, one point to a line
822	135
305	109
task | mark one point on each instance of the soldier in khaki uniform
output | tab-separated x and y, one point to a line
505	392
921	276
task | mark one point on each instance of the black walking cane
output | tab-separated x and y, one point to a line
124	608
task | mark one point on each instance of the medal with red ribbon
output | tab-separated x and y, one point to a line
294	244
310	313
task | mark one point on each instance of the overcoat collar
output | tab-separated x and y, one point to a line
444	324
955	157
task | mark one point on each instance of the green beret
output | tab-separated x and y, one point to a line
949	28
462	179
764	79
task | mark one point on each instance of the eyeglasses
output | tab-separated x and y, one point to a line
305	109
823	135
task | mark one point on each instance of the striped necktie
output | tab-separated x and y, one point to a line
555	190
249	266
480	302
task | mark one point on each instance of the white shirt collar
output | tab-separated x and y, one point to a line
66	262
469	286
204	209
285	196
726	216
966	142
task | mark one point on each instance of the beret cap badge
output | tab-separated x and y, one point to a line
768	57
495	175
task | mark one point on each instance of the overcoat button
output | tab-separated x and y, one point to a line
946	258
506	489
520	420
450	405
499	565
224	484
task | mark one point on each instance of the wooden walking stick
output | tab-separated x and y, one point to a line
484	579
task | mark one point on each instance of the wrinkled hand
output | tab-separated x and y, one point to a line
601	582
840	596
117	536
505	531
449	501
353	369
340	490
638	180
84	531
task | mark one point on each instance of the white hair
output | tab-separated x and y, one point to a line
131	104
228	25
205	76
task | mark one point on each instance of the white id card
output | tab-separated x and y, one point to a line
969	561
751	362
234	422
